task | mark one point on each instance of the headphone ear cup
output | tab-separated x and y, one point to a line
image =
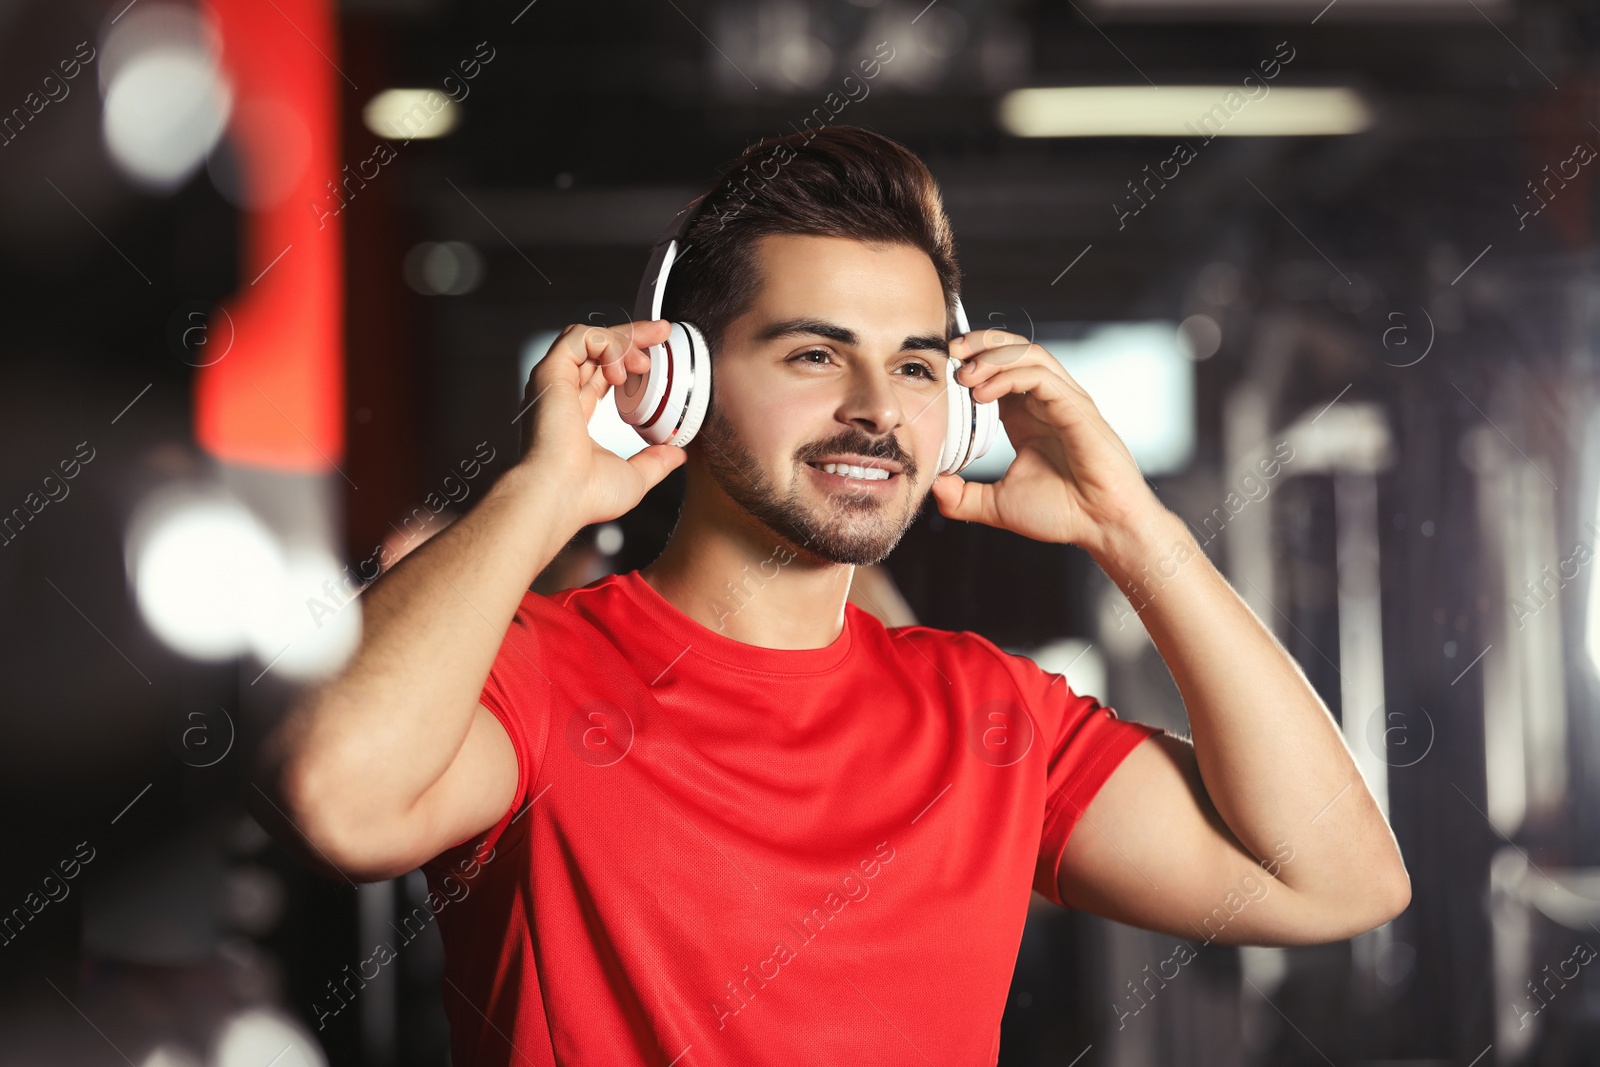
642	399
972	426
985	428
958	421
667	403
698	399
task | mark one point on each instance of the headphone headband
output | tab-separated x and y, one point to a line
653	286
664	253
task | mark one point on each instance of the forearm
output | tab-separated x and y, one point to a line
380	733
1272	758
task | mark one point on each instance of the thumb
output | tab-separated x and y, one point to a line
655	462
960	499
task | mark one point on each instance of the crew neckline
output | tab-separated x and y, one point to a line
681	630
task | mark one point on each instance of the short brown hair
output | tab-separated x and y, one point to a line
839	181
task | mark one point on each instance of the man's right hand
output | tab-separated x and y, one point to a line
395	759
583	363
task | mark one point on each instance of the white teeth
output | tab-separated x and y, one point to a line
870	474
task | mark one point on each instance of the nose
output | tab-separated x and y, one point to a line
871	403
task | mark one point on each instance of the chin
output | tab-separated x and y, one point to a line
840	528
852	552
846	539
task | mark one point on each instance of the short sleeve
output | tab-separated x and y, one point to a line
1087	742
518	693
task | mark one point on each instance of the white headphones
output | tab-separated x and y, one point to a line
667	404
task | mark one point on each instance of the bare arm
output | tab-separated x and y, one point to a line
393	760
1268	774
1267	782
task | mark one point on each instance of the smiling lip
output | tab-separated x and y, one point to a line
858	461
875	485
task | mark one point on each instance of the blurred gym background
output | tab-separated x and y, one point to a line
274	273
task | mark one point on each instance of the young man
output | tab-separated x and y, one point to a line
710	813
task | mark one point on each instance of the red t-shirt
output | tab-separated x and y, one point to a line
725	854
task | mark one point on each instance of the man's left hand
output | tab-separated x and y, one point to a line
1073	480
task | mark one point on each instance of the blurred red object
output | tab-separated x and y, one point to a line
276	399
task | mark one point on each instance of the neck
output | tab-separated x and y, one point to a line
728	572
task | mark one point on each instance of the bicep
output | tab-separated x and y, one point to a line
1150	850
474	792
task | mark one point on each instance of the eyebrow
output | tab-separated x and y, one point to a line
846	336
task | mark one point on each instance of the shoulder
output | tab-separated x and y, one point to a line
963	643
606	589
971	648
987	671
966	652
549	628
601	597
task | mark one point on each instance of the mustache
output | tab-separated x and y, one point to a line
860	444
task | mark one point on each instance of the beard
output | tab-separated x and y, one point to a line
856	528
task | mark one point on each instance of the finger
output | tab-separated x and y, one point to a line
614	349
590	376
595	382
563	361
1048	390
655	462
981	368
590	359
1008	355
971	343
603	372
1058	405
599	376
968	501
